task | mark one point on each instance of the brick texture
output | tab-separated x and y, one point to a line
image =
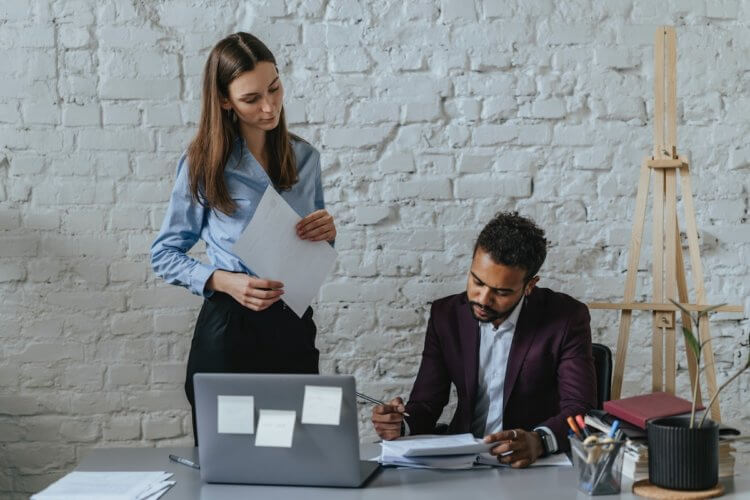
430	117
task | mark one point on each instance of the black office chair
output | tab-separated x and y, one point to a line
603	368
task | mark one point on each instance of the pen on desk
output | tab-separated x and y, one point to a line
376	401
184	461
572	424
582	425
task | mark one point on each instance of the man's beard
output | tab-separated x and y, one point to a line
492	315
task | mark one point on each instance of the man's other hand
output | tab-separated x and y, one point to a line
517	447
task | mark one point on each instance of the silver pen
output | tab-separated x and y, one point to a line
376	401
184	461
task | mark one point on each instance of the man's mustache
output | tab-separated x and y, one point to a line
486	310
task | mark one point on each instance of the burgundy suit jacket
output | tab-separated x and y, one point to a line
550	373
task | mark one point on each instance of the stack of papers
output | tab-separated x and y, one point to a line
635	461
460	451
555	460
726	458
107	486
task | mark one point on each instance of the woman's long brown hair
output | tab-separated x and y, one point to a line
209	151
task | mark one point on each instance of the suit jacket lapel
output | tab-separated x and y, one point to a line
468	331
523	338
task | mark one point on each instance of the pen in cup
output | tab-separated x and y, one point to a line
582	424
376	401
613	429
572	425
184	461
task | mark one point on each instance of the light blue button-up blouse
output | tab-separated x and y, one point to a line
187	221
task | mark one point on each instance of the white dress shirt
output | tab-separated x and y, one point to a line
494	348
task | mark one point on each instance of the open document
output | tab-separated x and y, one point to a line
459	451
271	248
107	486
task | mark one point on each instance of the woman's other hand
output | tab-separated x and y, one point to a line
254	293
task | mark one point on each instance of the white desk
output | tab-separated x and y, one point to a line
388	483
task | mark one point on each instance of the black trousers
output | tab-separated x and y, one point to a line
230	338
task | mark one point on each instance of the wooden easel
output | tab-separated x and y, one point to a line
668	270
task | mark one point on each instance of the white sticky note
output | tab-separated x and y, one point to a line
236	414
321	405
275	428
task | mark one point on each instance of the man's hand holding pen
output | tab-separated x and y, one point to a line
388	419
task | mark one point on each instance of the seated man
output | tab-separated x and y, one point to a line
519	356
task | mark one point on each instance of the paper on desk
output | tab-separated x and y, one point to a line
157	490
270	247
554	460
107	486
434	445
460	451
275	428
235	414
465	461
321	405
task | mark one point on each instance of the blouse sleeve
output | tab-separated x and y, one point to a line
179	232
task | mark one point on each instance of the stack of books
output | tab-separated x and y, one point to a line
634	412
635	460
726	458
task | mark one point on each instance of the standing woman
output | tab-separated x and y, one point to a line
242	146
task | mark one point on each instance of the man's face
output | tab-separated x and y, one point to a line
494	289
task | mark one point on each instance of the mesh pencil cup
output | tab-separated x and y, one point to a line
598	464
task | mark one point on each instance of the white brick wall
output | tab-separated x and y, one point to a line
430	117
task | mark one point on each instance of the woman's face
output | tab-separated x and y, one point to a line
257	97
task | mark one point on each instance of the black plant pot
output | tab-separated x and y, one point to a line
681	458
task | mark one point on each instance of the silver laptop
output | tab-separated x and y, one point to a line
321	455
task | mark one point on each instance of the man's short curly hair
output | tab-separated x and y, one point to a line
513	240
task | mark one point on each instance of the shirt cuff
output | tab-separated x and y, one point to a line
198	278
407	431
554	439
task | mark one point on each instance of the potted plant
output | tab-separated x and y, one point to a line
683	454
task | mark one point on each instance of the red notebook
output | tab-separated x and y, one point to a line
637	410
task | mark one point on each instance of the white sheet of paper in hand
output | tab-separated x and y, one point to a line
275	428
270	247
321	405
236	414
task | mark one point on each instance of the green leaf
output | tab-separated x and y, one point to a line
681	308
691	341
708	309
